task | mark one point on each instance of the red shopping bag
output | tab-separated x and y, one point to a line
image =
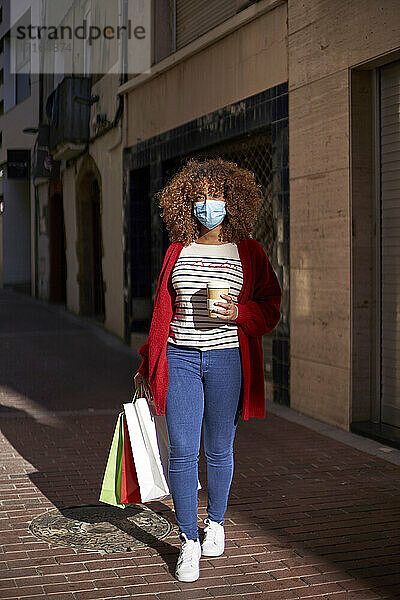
130	491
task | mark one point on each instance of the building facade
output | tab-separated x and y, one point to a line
305	94
19	109
79	211
344	93
331	71
219	89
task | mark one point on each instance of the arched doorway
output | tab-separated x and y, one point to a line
89	243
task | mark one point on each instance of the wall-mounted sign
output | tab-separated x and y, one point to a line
44	165
18	164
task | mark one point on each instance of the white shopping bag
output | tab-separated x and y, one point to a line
150	446
146	455
161	431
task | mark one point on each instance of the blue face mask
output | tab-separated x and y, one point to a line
210	213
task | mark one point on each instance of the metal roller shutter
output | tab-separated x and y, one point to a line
193	18
390	243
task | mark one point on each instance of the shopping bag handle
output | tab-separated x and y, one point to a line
136	395
143	392
150	400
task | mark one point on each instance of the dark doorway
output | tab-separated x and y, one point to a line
98	289
58	266
140	250
91	271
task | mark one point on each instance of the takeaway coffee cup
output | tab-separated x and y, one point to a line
214	291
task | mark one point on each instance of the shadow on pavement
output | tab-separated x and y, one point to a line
299	500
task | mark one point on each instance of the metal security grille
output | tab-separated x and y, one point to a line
193	18
253	153
253	132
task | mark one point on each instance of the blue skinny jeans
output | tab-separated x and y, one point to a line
203	385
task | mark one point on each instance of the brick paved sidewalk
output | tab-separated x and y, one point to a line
308	516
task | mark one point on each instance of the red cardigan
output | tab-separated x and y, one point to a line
258	305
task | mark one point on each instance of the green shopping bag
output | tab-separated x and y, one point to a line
111	488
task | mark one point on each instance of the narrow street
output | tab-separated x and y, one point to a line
308	517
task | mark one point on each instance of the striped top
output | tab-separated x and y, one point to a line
197	265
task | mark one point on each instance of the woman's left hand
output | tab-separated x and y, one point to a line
229	310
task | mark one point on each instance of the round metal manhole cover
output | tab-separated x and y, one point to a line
106	528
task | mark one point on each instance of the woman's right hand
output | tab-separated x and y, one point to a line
139	380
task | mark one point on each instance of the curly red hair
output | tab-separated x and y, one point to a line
237	185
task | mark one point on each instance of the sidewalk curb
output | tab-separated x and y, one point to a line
369	446
349	438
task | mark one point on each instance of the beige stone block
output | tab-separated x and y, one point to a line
320	316
318	132
263	34
261	51
248	60
326	36
320	196
320	244
321	391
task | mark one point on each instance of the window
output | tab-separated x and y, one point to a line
23	85
179	22
22	66
163	29
193	18
86	45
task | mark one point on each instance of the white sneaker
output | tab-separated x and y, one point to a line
214	539
188	563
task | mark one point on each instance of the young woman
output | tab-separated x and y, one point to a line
203	370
